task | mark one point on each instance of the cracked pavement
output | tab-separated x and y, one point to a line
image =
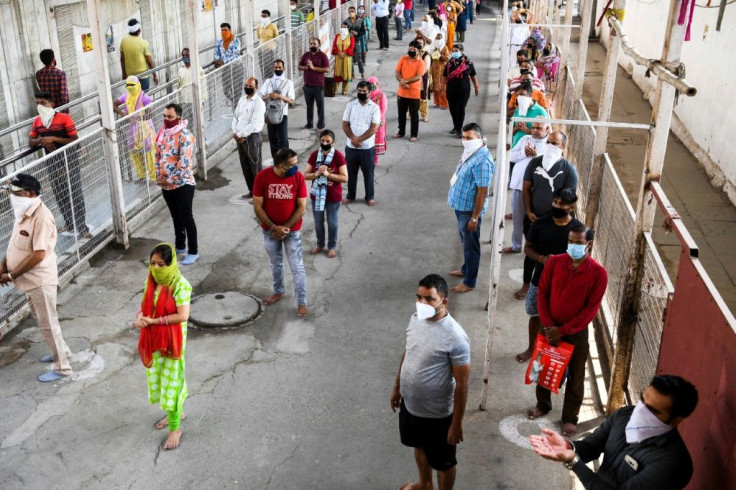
283	403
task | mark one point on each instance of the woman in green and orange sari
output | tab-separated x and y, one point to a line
162	321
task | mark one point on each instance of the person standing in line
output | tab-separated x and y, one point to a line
186	78
440	55
141	130
379	98
461	25
453	10
359	123
342	49
248	121
175	175
459	72
327	169
136	56
280	201
468	196
52	80
227	51
30	265
409	72
381	11
296	15
314	64
267	30
424	94
570	293
431	387
356	25
53	130
398	17
162	321
408	14
278	94
362	14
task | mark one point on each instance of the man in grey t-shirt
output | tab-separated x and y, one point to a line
431	388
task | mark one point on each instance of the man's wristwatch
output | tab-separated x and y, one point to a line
474	220
9	276
569	464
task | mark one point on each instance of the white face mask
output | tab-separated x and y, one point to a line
643	424
472	146
265	21
425	311
292	7
552	155
525	102
20	205
344	32
46	113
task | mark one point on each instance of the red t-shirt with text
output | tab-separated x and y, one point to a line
279	195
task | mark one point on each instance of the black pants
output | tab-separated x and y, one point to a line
575	387
179	201
278	136
457	99
232	81
66	183
529	264
382	31
399	30
412	105
314	94
365	161
250	158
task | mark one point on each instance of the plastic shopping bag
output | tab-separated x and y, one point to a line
548	364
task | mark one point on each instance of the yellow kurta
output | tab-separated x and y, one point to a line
344	66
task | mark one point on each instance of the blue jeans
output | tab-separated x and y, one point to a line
145	83
408	17
471	247
292	244
331	209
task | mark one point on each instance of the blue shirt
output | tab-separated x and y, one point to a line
476	171
380	8
227	55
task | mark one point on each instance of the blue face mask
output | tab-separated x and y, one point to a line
292	171
456	54
576	251
186	61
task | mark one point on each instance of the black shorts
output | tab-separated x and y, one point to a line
430	435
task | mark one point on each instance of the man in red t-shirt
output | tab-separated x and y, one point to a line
280	200
51	131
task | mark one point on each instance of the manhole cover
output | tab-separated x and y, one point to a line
224	310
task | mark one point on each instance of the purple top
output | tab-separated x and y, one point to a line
320	60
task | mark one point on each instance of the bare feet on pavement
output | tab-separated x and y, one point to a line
272	299
569	429
521	293
164	422
316	250
416	486
172	442
534	413
462	288
457	273
332	253
347	201
302	310
509	250
523	357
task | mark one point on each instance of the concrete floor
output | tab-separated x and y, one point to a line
284	403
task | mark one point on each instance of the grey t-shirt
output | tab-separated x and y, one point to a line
432	348
545	183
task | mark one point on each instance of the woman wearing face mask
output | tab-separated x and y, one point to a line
379	98
141	131
342	49
549	63
463	17
440	55
367	19
356	25
459	72
326	167
162	321
452	11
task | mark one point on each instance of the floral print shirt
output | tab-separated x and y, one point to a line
175	160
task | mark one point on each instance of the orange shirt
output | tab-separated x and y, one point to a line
410	68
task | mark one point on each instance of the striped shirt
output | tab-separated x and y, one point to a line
476	171
62	126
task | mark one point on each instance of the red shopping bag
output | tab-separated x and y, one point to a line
548	363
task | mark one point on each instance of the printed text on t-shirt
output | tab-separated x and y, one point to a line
280	191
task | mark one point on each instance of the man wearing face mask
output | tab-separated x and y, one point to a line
30	265
359	123
356	26
247	124
227	51
468	196
278	94
570	293
186	77
381	11
409	72
527	107
314	64
431	388
279	201
641	445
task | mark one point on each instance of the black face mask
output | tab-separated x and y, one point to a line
412	54
249	91
545	52
278	73
325	147
362	97
313	49
559	212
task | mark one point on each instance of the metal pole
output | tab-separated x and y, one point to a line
499	205
317	17
664	102
564	55
586	14
556	20
250	38
112	157
289	41
604	114
196	88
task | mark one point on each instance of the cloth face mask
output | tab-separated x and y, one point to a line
643	425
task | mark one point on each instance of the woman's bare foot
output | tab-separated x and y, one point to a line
457	273
272	299
316	250
302	310
332	253
523	357
462	288
164	422
534	413
172	442
521	293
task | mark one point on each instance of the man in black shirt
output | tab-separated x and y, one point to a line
641	445
546	236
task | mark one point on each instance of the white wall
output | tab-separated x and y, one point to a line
704	123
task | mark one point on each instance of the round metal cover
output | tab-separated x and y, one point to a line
224	310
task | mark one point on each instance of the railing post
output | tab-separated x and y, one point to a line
664	102
112	156
586	16
564	56
604	114
289	40
250	38
197	115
